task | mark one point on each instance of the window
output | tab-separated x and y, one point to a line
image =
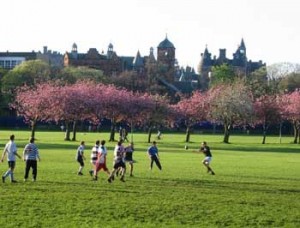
13	63
7	64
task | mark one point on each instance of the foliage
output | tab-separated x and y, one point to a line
267	111
73	74
230	104
290	83
292	111
258	82
222	74
278	72
192	110
28	73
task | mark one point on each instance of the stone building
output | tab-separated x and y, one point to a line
239	63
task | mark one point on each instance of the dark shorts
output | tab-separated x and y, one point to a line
11	164
119	164
80	160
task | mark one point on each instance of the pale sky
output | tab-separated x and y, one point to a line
270	28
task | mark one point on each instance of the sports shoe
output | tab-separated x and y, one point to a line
80	173
112	178
212	173
3	179
109	180
91	172
122	179
14	181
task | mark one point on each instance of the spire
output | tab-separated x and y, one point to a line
242	45
138	60
151	55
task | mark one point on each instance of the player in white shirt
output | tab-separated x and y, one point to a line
11	151
101	160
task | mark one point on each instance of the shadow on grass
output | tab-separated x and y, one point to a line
258	149
221	185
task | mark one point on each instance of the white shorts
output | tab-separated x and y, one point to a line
207	160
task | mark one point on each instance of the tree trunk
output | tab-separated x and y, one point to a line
264	137
188	134
149	133
112	131
67	134
74	130
296	133
33	127
280	132
226	133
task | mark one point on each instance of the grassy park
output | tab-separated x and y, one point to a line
255	185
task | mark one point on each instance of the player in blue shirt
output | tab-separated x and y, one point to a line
153	155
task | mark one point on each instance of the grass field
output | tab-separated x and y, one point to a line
255	185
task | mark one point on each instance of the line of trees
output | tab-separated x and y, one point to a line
73	95
226	104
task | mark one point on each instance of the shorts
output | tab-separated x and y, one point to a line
11	164
130	161
80	160
207	160
100	166
119	164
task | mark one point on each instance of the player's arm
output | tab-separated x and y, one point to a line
38	155
24	153
18	155
3	154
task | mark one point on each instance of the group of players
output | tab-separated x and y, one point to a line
98	159
30	156
123	155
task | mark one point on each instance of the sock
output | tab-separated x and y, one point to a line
7	173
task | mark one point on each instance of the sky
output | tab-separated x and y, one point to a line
270	29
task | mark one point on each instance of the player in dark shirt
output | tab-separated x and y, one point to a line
208	157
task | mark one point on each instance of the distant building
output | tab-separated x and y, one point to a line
171	75
8	60
239	63
54	58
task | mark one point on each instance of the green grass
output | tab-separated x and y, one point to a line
255	185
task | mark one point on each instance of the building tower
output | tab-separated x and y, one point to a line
166	53
74	51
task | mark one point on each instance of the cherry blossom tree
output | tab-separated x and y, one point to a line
33	103
72	103
292	112
230	104
267	112
192	110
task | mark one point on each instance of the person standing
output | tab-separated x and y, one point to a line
101	160
31	155
11	150
80	157
153	155
208	157
118	162
94	157
128	156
